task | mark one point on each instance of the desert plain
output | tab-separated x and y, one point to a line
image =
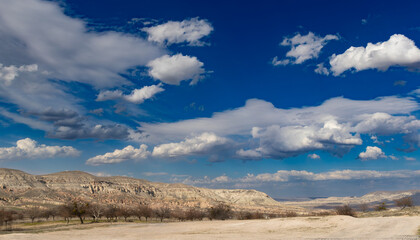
325	227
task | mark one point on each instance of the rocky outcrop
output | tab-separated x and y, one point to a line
22	189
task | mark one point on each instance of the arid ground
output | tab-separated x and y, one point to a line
335	227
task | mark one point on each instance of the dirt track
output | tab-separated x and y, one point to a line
290	228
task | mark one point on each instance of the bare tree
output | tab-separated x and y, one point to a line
76	208
404	202
33	212
96	211
221	212
163	213
66	211
124	212
143	211
8	217
2	213
179	214
193	214
110	213
345	210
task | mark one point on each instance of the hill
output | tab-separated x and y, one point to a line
20	189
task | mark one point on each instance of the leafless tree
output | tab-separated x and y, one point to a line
66	211
404	202
345	210
163	213
221	212
110	212
33	213
96	211
179	214
79	209
124	212
8	217
193	214
143	211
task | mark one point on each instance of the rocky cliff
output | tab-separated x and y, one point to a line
21	189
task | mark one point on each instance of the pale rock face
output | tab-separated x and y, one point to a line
18	188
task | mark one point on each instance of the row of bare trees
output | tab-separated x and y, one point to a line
83	210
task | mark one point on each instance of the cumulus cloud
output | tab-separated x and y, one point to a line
398	50
189	31
322	70
64	46
294	175
205	143
38	42
30	149
314	156
118	156
269	132
372	153
137	96
303	48
9	73
174	69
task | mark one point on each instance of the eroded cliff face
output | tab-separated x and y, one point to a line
22	189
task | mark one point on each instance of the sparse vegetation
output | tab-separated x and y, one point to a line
364	207
163	213
404	202
345	210
381	207
220	212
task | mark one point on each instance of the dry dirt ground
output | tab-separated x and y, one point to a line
331	227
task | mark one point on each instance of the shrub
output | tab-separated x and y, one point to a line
404	202
220	212
345	210
381	207
193	214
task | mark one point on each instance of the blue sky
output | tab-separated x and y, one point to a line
294	98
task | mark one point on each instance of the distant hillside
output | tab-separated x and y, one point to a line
371	198
21	189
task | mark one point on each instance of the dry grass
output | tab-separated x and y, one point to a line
410	211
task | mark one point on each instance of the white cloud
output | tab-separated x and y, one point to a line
38	42
322	70
303	48
190	31
294	175
372	153
397	51
205	143
136	96
9	73
335	126
174	69
409	158
29	149
125	154
153	174
386	124
64	46
314	156
260	113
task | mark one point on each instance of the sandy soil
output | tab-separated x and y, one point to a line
285	228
